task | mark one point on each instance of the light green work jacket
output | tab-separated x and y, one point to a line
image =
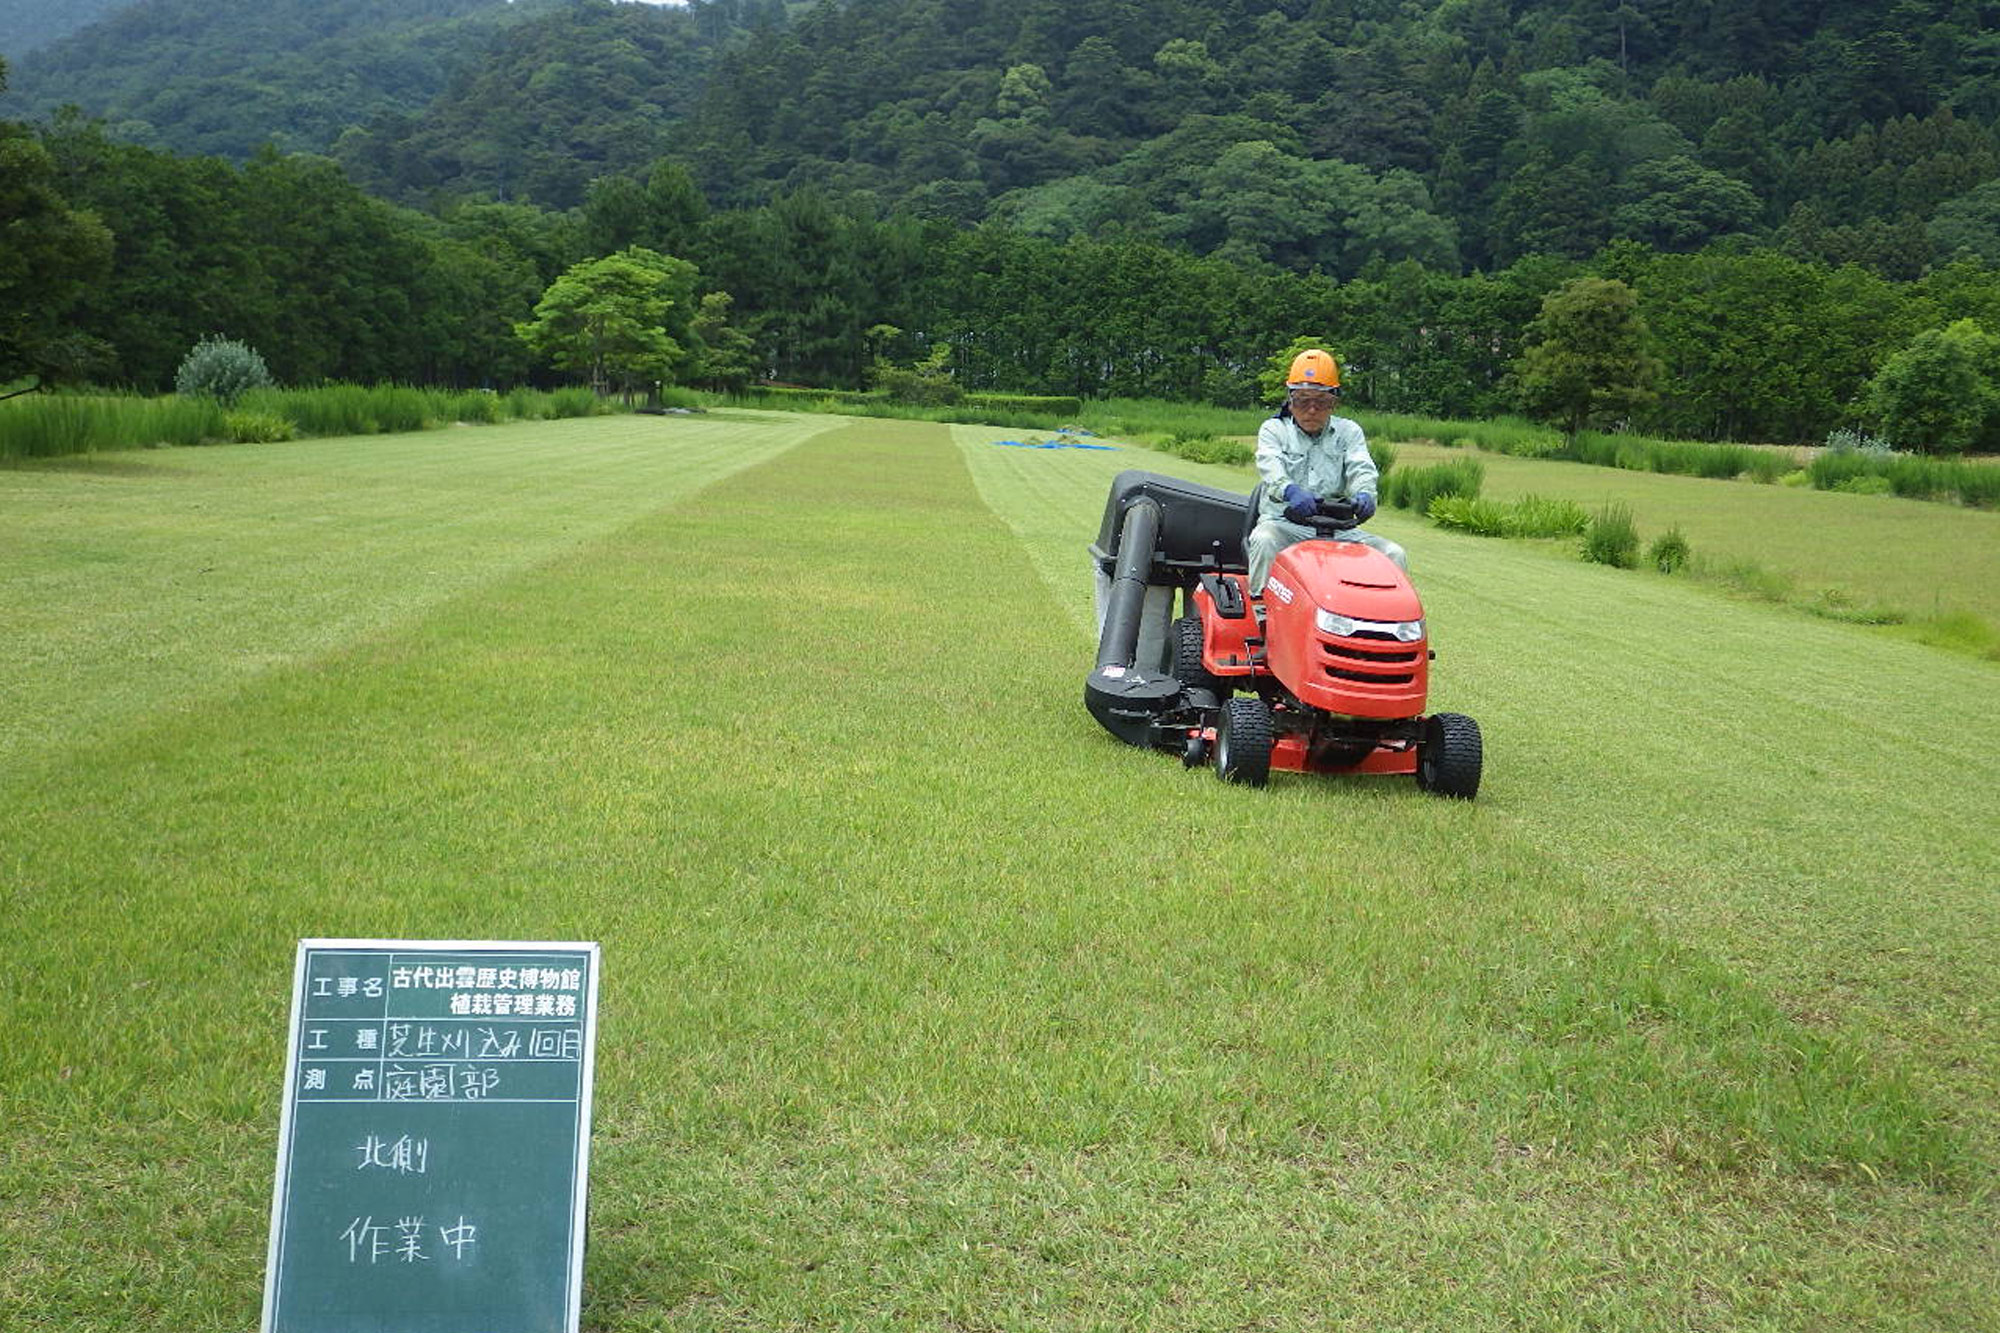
1333	464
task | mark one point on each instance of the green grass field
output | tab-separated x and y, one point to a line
1922	559
928	1005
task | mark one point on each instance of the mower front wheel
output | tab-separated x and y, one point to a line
1449	756
1243	742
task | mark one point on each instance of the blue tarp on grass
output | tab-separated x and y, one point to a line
1055	444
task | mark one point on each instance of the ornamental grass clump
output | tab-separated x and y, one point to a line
397	408
1669	552
1208	449
478	407
1529	516
574	403
1469	513
1415	488
1612	539
257	427
223	369
1541	516
1384	454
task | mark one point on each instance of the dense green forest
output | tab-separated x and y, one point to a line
27	25
1076	196
228	76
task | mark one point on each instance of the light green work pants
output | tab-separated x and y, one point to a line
1273	535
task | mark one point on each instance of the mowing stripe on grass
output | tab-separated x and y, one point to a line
924	999
136	581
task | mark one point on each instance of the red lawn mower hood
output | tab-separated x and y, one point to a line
1346	578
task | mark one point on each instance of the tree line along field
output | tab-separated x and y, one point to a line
924	1000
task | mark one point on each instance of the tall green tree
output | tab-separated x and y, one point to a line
185	260
725	355
349	270
606	318
1679	205
1939	394
1587	360
1761	346
1969	226
50	253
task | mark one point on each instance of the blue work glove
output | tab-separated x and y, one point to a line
1364	507
1300	503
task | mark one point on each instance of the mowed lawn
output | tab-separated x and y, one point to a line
925	1003
1849	554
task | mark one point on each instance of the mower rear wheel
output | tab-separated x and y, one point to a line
1449	756
1243	742
1188	668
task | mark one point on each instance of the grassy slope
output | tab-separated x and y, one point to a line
926	1002
1921	558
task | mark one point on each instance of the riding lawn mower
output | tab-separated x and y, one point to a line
1327	671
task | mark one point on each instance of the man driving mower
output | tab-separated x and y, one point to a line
1312	463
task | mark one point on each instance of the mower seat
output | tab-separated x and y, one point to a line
1251	513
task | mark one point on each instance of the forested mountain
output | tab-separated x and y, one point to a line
1060	196
226	76
589	90
28	25
1461	134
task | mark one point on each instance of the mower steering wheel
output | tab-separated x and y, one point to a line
1325	524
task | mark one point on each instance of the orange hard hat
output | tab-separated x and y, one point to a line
1313	367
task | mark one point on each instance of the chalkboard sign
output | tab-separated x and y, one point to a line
436	1132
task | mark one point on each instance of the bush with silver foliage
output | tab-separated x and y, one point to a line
221	368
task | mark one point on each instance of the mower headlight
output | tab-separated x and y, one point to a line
1329	623
1343	627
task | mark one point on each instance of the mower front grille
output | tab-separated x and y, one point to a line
1372	677
1366	655
1371	665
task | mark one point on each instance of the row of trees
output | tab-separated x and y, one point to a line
120	258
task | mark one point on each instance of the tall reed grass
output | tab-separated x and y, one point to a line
1909	475
53	425
1687	458
1529	516
1417	487
1612	538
